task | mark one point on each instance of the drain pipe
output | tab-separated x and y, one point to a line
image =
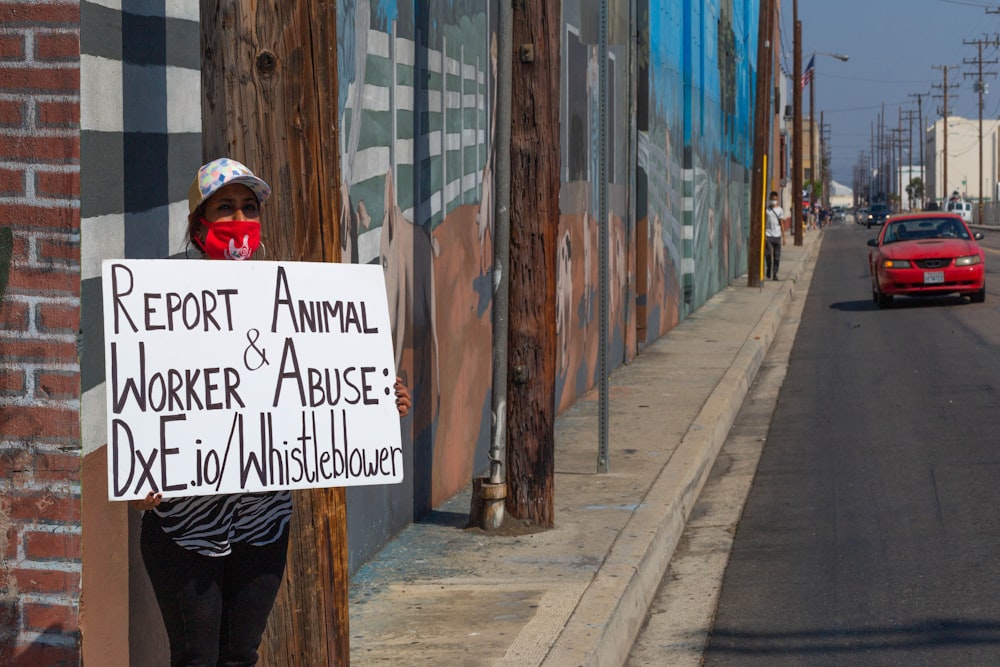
489	494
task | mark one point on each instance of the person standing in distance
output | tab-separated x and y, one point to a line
774	235
216	562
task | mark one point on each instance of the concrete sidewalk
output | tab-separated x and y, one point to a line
443	595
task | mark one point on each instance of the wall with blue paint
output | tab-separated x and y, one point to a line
417	107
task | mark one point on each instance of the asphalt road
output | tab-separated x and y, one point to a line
871	532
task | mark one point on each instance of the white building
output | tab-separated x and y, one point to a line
963	159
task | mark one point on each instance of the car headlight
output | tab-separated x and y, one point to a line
896	264
968	261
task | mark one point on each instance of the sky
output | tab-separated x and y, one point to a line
893	47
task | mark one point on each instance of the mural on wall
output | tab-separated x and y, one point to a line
416	100
417	88
578	270
691	179
718	130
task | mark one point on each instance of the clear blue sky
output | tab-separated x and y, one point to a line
893	46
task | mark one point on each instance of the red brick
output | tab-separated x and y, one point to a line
57	386
44	506
58	114
57	463
57	318
46	581
11	183
12	383
56	424
14	351
55	218
12	543
15	460
63	251
52	475
12	47
37	655
22	248
14	315
30	14
52	281
52	150
50	617
57	46
41	80
11	113
51	546
57	184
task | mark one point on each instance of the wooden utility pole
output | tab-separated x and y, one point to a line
269	99
762	140
896	147
534	225
797	230
944	115
980	88
921	139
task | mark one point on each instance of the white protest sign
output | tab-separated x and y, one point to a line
231	377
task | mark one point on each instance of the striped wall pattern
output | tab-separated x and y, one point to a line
437	155
140	123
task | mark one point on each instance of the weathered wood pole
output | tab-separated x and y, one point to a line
534	225
269	99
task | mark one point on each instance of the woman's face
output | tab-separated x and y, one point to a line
231	202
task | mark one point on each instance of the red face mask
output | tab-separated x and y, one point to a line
230	239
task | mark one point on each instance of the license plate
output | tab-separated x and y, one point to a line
933	277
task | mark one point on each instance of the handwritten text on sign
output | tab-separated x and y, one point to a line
229	377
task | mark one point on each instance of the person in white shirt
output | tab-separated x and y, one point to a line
774	235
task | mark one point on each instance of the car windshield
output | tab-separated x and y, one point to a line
925	228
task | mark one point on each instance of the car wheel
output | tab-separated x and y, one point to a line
883	300
978	297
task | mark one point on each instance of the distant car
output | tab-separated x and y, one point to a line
961	207
877	214
926	254
861	217
839	213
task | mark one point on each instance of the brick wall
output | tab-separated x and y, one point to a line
39	319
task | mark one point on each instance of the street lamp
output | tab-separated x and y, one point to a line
817	172
799	83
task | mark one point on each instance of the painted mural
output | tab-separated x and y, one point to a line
417	82
687	173
417	88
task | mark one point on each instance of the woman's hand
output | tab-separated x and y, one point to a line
149	502
403	401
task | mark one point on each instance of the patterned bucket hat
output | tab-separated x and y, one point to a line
218	173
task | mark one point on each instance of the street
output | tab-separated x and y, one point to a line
869	532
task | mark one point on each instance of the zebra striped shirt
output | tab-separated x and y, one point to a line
210	525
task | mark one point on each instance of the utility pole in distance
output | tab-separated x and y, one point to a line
944	87
761	141
921	140
979	88
797	125
908	116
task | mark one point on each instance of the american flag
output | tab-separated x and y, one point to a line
807	75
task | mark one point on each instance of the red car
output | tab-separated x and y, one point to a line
926	254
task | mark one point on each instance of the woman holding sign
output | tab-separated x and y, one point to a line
216	562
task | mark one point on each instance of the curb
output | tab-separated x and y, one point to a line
628	579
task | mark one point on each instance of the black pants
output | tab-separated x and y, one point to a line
772	255
215	609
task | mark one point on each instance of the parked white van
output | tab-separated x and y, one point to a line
960	206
